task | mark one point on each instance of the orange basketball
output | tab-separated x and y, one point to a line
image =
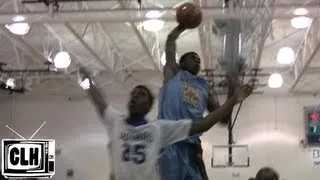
189	15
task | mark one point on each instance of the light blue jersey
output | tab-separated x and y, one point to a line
182	96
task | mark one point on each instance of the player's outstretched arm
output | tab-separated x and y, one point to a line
171	67
96	96
217	115
213	102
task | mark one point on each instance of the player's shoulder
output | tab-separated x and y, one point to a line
112	112
202	79
163	122
203	82
157	123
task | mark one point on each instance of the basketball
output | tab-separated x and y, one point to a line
189	15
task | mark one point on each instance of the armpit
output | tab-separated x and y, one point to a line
170	70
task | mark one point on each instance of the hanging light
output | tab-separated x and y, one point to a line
153	14
85	84
164	60
300	12
62	60
285	55
302	21
153	24
18	28
10	83
275	80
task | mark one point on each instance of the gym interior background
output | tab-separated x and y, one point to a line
123	45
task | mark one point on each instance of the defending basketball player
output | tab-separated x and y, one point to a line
184	95
135	143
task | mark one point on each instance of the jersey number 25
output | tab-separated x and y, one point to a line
134	153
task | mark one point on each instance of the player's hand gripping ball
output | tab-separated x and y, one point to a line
189	15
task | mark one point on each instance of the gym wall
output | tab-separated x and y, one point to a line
272	126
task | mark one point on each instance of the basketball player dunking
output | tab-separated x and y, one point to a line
135	143
184	95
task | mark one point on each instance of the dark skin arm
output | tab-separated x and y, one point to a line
171	67
232	84
213	102
219	114
97	97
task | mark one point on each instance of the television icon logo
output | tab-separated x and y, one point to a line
28	158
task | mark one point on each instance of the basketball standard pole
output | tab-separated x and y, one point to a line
231	56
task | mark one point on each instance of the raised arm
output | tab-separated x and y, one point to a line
96	96
219	114
213	102
171	67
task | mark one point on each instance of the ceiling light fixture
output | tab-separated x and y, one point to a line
164	60
62	60
285	55
18	28
153	24
300	12
302	21
275	80
85	84
153	14
10	83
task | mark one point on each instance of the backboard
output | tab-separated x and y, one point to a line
238	158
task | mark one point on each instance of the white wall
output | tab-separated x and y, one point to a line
271	126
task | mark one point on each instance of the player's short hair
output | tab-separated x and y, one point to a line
183	57
150	94
267	173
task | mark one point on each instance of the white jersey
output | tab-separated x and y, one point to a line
135	150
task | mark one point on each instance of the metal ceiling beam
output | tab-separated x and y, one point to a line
307	52
17	40
56	35
78	37
288	36
309	71
32	52
4	4
137	15
112	42
139	36
86	46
